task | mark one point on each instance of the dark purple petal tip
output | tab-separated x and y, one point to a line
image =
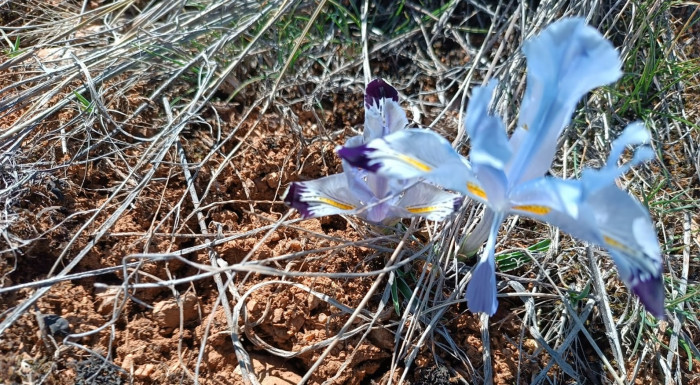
357	157
378	89
293	199
457	203
651	293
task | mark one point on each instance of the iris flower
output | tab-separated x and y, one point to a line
565	61
373	197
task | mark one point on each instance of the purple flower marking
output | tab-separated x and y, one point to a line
358	157
370	196
651	292
292	196
377	90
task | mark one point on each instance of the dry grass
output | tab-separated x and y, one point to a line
106	100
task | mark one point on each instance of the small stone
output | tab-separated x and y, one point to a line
128	363
145	371
382	338
56	326
312	302
277	315
530	345
295	245
272	180
167	313
107	298
250	306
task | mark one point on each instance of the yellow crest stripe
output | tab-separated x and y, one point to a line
476	190
614	243
535	209
421	210
337	204
415	163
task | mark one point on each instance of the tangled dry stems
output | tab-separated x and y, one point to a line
120	85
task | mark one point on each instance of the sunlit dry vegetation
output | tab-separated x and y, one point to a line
145	146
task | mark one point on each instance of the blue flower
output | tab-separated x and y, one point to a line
373	197
566	61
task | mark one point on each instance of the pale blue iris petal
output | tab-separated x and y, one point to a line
356	182
590	215
383	119
634	134
565	61
573	57
494	184
607	217
394	117
383	114
400	184
375	197
427	201
377	211
481	290
472	243
629	235
379	185
489	141
354	141
627	224
325	196
374	124
557	202
533	153
648	288
412	153
366	193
